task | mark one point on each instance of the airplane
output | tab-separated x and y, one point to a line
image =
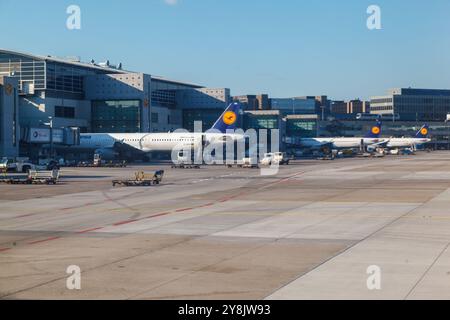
420	139
109	145
372	138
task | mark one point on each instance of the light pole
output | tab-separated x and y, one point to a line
50	124
51	137
323	112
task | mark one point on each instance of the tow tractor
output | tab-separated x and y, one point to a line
141	179
100	163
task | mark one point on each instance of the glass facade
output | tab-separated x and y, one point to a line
261	122
164	98
424	108
294	106
116	116
155	117
65	78
46	74
207	116
64	112
25	69
338	128
301	128
414	104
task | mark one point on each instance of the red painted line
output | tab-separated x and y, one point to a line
207	205
230	198
157	215
81	206
121	223
4	249
25	215
185	209
124	222
284	179
45	240
89	230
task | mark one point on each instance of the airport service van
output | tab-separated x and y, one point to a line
20	165
279	158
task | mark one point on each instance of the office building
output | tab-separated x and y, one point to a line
339	107
323	106
358	106
351	107
254	102
292	106
413	104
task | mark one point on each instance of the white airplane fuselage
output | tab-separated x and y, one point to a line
339	143
152	142
406	142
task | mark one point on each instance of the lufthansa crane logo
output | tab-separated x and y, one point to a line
376	130
229	118
9	89
424	131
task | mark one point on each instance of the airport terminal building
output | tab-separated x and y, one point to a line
92	97
45	100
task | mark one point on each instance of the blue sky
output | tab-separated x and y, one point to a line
284	47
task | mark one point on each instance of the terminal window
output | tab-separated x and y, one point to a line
116	116
64	112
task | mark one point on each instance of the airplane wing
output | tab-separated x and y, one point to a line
121	146
317	145
381	144
326	144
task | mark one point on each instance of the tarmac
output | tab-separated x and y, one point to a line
310	232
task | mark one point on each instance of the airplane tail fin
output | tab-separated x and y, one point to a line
375	131
229	119
423	132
